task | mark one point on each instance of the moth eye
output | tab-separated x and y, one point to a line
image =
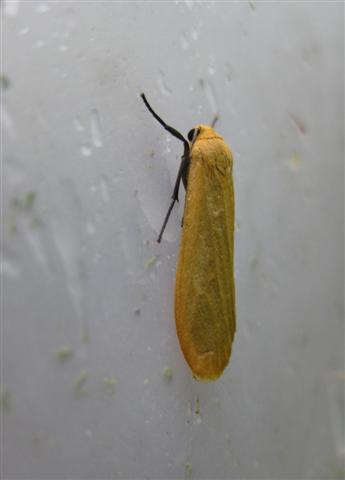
192	134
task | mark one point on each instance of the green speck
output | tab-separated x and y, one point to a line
188	469
4	82
295	162
109	385
63	353
26	202
167	374
29	199
151	261
79	384
5	399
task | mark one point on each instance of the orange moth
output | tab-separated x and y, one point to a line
205	290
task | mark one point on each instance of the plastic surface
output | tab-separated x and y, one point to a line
94	385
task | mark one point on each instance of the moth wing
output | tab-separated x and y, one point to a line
205	291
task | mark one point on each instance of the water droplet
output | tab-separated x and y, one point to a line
104	189
229	75
211	68
96	131
39	44
9	270
78	125
7	122
63	48
90	228
168	139
164	89
11	7
194	35
23	31
197	420
36	242
70	21
66	228
42	8
85	151
184	42
98	256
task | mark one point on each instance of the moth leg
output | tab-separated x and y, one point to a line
184	211
185	172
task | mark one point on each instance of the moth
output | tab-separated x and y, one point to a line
205	311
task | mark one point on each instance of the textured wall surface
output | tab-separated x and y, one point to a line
87	324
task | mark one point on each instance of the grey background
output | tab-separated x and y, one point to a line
81	267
